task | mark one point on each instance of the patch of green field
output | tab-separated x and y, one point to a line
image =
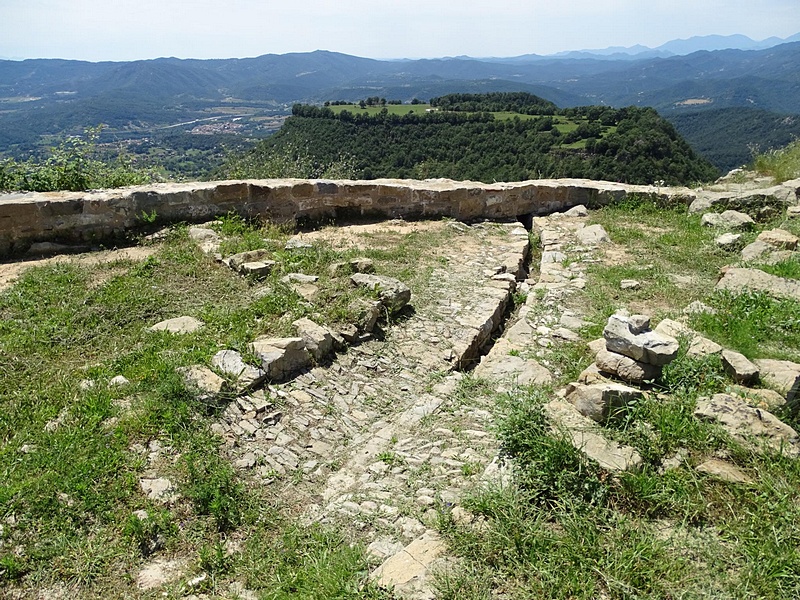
392	109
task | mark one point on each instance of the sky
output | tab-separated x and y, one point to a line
116	30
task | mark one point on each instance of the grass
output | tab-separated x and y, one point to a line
754	324
782	164
73	453
71	508
568	529
565	528
789	268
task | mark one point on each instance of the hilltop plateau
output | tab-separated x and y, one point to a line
401	389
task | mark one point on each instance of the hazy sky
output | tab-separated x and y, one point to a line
136	29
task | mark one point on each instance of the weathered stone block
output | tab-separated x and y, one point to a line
648	346
231	364
318	340
739	368
393	294
752	426
626	368
281	357
601	401
203	383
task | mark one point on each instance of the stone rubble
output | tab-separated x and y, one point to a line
632	337
377	418
729	219
393	294
379	429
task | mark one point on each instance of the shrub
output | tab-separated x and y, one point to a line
74	166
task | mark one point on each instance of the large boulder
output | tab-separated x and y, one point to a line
393	294
631	337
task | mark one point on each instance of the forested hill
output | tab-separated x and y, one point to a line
488	137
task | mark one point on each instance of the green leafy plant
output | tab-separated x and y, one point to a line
74	165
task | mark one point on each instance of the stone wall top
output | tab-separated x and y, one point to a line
27	218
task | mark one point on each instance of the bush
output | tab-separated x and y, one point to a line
72	166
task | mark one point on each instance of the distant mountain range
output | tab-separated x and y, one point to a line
683	47
43	98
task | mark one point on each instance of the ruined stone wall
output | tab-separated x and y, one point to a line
94	216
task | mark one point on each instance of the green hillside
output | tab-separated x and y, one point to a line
728	137
485	137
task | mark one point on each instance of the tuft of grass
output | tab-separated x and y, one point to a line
782	164
314	562
549	468
789	268
753	323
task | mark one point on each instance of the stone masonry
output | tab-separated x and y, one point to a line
33	218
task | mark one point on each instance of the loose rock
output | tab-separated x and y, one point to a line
739	368
393	294
203	383
723	471
778	238
592	235
730	219
648	346
601	401
626	368
783	375
178	325
729	241
748	424
281	357
233	365
318	340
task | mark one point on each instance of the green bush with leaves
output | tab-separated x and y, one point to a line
74	165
